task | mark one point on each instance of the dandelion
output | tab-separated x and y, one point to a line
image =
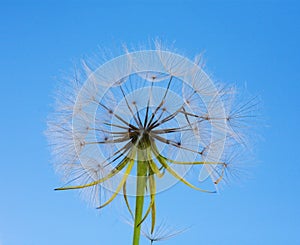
138	124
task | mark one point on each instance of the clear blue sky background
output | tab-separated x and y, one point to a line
253	42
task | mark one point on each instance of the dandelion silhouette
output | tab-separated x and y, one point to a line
137	125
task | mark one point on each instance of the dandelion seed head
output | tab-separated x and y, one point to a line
153	101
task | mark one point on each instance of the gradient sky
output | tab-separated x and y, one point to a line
249	43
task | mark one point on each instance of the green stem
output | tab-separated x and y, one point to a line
140	193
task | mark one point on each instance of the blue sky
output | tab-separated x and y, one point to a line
245	42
